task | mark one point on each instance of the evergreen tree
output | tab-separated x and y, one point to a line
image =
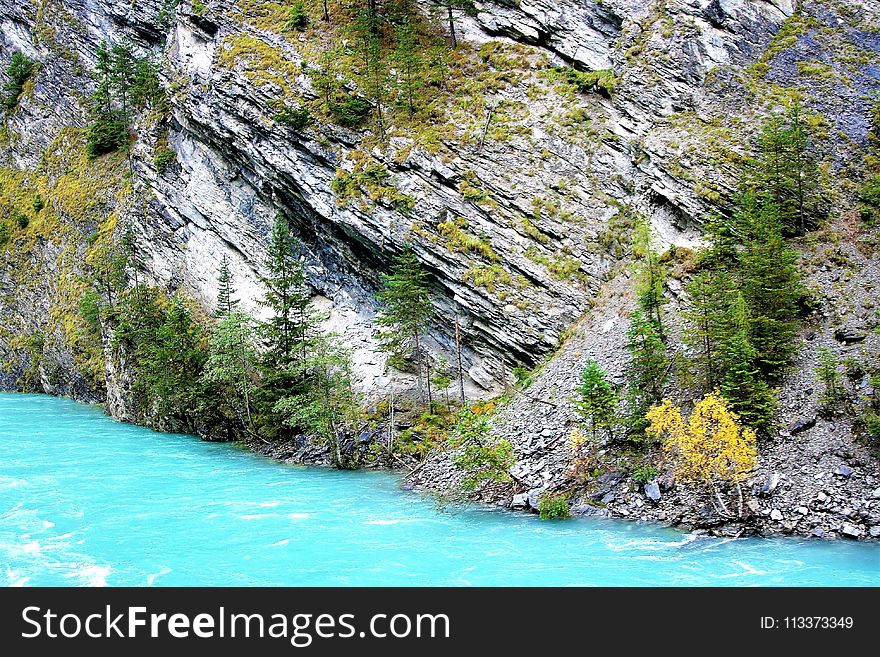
597	400
20	69
286	297
740	380
650	276
109	128
289	331
828	373
709	296
451	7
406	309
232	365
771	287
786	170
297	17
649	364
375	74
170	363
409	64
226	301
123	74
327	407
325	78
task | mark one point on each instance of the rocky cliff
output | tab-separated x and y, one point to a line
517	194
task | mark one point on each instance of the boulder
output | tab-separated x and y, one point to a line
520	501
589	510
851	333
851	531
874	532
652	491
770	484
776	515
802	424
843	471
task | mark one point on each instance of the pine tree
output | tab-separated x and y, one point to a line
285	297
375	74
650	276
649	364
170	363
597	401
123	75
833	392
406	309
786	170
328	405
408	63
109	128
325	78
451	7
740	380
709	297
226	301
232	364
20	69
771	287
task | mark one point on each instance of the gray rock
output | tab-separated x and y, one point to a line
776	515
843	471
770	484
608	497
803	510
652	491
666	481
520	501
875	494
589	510
851	333
533	497
851	531
818	532
801	425
874	531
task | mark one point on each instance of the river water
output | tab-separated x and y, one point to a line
85	500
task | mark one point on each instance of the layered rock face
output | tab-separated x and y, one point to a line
542	188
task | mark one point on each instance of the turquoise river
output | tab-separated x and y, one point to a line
88	501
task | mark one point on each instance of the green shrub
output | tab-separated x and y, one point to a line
603	81
644	473
38	204
297	19
198	7
21	219
522	376
4	235
869	196
482	458
164	158
554	506
871	421
294	117
351	112
106	135
90	308
19	71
